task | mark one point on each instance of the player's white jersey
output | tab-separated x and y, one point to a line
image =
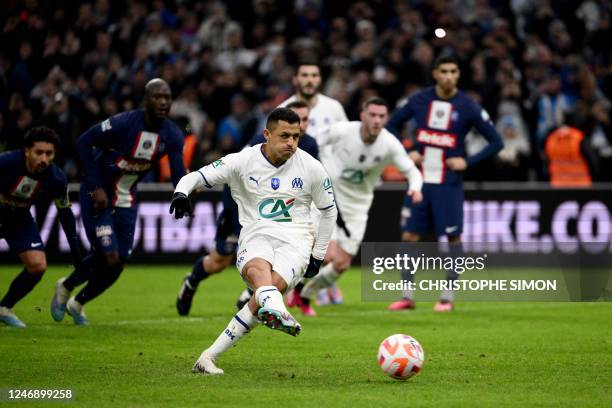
355	167
323	114
272	200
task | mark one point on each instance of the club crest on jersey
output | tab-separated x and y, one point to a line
276	209
146	146
25	188
297	183
275	183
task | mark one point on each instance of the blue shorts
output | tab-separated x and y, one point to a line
110	230
228	227
440	212
20	231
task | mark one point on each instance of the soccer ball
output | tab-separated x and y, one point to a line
400	356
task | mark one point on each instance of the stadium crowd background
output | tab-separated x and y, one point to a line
531	64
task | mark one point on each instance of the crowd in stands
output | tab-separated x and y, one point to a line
532	64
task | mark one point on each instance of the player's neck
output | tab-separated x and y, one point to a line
152	121
275	161
365	137
441	93
311	101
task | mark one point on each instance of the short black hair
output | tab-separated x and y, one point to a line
374	100
297	105
41	134
446	59
284	114
306	62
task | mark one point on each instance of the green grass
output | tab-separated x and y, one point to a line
138	352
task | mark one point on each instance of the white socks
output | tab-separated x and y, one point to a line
326	277
270	297
240	325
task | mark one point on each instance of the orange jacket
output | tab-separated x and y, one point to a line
189	149
567	165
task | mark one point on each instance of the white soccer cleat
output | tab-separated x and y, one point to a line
206	365
59	300
75	309
8	317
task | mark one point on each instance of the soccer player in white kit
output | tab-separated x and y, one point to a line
273	184
324	112
360	150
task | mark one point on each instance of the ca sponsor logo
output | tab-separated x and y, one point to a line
276	209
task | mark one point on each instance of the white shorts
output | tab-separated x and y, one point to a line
288	260
355	226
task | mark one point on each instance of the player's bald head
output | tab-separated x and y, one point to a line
156	85
157	99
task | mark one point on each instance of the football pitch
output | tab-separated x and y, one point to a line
139	352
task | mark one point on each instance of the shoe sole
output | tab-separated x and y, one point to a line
272	321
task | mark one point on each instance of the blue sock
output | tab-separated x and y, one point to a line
456	251
198	274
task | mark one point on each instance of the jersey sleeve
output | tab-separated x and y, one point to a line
404	163
218	172
341	114
482	122
103	135
60	192
175	154
322	191
399	117
329	135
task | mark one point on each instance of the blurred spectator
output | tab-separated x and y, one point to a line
230	62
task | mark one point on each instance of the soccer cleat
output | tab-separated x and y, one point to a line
58	301
8	317
293	298
244	297
335	295
444	306
185	297
305	307
75	309
278	320
206	365
323	298
402	304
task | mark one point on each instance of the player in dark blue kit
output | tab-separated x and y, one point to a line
26	177
228	227
116	154
443	116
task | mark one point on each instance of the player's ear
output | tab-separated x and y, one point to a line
267	134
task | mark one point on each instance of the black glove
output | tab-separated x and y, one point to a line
313	267
180	206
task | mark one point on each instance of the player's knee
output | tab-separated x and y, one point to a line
37	267
410	237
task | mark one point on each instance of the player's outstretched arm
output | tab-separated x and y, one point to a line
218	172
100	135
405	164
323	197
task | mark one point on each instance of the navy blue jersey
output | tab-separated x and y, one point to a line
307	143
20	189
121	150
441	127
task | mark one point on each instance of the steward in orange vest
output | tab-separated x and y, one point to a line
567	162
